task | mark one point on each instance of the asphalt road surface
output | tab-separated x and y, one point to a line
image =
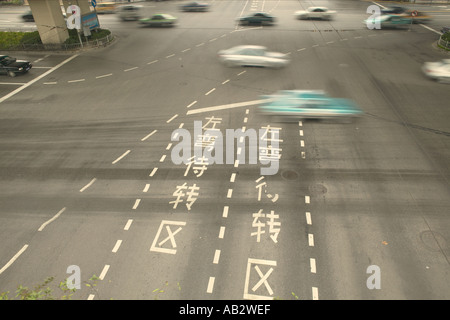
88	177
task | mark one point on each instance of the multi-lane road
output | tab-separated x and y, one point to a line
89	179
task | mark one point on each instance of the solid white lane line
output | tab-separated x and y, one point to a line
431	29
117	246
216	257
104	271
10	262
227	106
120	158
128	224
172	118
149	135
12	93
210	285
52	219
88	185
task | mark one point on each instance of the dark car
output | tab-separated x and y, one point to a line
195	6
257	18
445	29
28	17
11	66
393	10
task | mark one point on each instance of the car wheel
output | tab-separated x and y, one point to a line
12	74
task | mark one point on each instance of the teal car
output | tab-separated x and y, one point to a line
159	20
261	18
308	104
389	21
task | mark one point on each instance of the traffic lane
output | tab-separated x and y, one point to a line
387	147
380	230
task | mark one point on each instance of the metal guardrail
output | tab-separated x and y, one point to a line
444	43
62	46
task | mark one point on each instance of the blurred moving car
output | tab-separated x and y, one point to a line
315	13
389	21
262	18
393	10
11	66
159	20
255	56
439	70
106	7
195	6
28	17
129	12
308	104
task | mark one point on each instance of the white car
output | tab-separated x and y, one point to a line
255	56
315	13
439	70
129	12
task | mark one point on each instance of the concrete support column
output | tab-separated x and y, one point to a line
49	20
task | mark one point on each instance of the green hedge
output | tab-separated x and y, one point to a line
446	36
12	39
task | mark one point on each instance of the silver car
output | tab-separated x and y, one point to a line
255	56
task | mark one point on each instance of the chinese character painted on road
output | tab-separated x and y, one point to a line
191	193
200	165
260	186
274	229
